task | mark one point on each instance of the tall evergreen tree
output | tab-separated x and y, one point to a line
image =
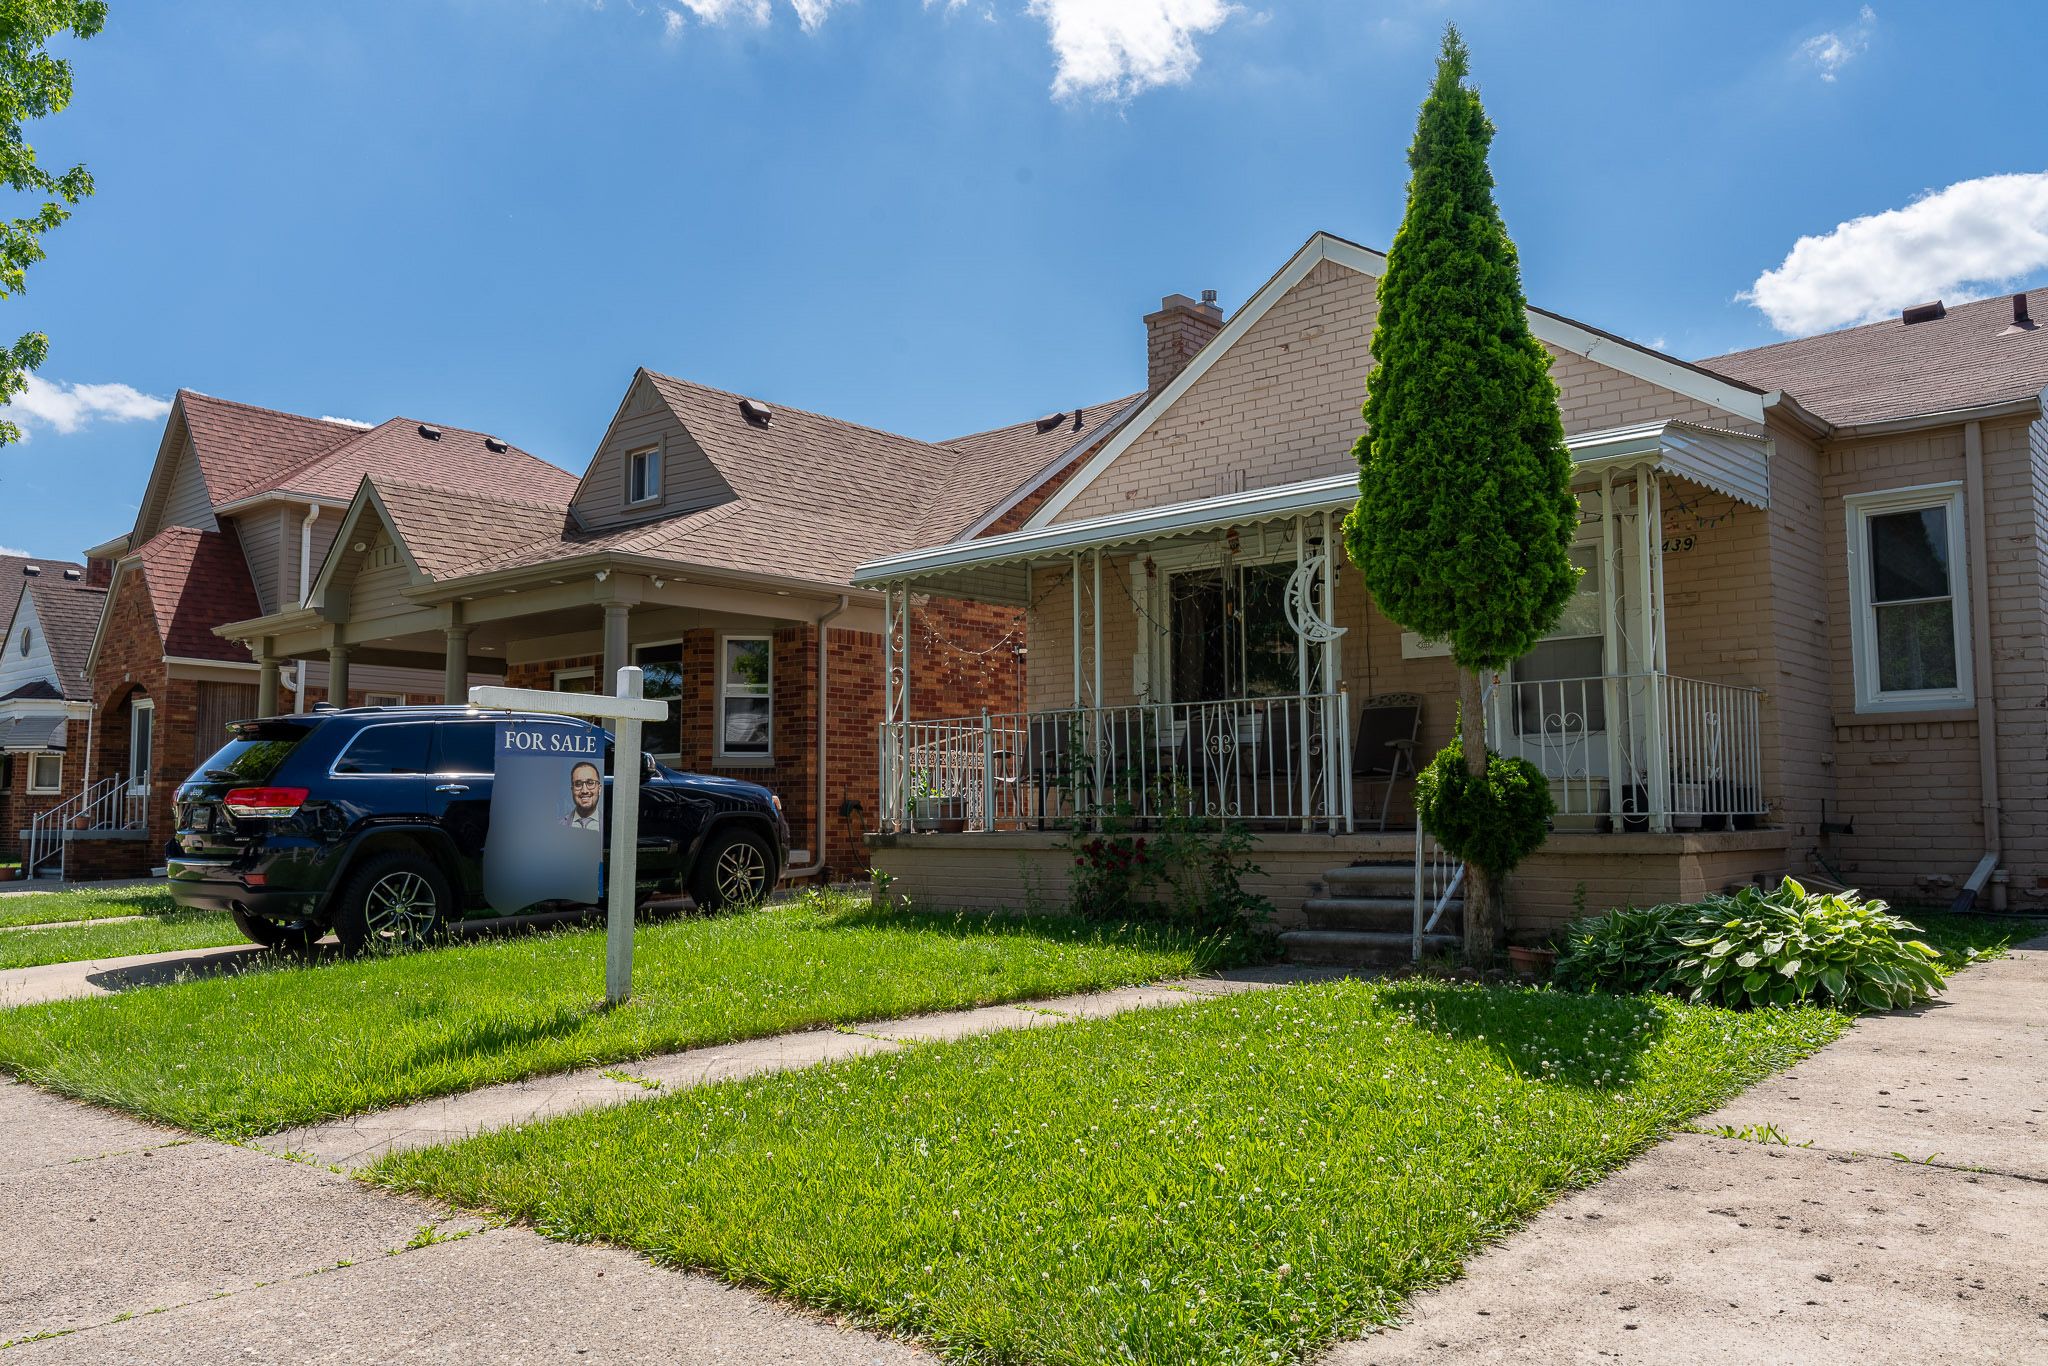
1465	514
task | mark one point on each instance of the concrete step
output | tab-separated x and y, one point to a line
1392	914
1371	879
1358	948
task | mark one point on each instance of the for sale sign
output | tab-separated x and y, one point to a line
547	815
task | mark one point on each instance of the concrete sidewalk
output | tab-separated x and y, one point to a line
1721	1250
146	1246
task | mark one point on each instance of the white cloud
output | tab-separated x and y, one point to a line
346	421
67	408
17	554
1963	242
1831	51
1113	49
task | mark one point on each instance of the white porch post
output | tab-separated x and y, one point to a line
896	706
1613	695
1074	581
1336	730
1095	698
1649	550
886	818
1301	671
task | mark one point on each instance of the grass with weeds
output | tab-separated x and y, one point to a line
159	932
44	908
1972	938
239	1055
1246	1179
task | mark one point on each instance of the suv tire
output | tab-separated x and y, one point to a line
391	903
736	868
297	937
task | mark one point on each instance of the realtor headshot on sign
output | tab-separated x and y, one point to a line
585	786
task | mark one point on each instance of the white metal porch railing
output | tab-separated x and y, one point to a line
112	803
1641	751
1282	760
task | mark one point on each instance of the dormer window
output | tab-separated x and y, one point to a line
26	633
643	476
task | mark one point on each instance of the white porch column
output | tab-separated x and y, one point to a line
1613	695
1337	727
1649	551
455	663
1301	671
1074	581
895	814
1095	700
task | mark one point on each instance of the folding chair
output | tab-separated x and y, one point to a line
1385	749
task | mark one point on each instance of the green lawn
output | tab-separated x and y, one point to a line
42	908
1247	1179
1955	936
240	1055
159	933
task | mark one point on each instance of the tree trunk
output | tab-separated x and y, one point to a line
1486	912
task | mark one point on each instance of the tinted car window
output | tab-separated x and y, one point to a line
254	754
465	747
386	750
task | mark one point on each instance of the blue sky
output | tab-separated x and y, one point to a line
937	216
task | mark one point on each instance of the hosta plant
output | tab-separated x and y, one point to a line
1628	951
1789	945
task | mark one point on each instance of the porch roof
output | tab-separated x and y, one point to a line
998	568
30	733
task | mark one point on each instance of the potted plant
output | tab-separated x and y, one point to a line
1532	960
933	809
9	872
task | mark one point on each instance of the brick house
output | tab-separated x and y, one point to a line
47	612
241	504
1810	635
711	540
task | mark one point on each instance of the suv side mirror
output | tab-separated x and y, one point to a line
648	768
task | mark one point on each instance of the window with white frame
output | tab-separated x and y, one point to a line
45	773
746	701
1567	664
384	699
643	475
576	680
1909	597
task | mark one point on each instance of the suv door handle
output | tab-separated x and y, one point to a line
452	787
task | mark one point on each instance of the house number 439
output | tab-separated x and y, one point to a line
1674	544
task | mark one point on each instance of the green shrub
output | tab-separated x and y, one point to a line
1756	948
1628	951
1495	820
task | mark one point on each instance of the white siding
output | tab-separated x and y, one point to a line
688	478
187	503
16	670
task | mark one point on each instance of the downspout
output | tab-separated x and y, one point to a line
306	553
817	863
1978	511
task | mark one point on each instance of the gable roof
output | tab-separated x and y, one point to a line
994	465
1733	396
456	458
196	580
444	530
241	446
69	613
1888	370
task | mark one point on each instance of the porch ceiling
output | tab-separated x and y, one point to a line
998	568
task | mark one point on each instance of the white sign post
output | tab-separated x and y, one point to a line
629	708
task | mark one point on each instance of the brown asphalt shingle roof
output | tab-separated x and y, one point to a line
241	446
1892	369
447	530
197	580
69	613
457	459
991	465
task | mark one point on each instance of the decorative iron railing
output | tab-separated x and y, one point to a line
112	803
1268	760
1642	751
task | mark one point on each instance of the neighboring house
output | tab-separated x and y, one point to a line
711	541
1810	633
241	505
47	612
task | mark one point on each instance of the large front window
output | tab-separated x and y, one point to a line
746	700
1231	637
1910	628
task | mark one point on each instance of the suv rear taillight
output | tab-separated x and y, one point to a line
270	803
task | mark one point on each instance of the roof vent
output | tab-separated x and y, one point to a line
2020	321
1209	297
1923	313
430	433
1077	418
1050	421
74	575
498	444
32	570
756	412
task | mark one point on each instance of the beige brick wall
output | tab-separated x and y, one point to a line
1283	404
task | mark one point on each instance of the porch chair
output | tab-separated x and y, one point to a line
1048	760
1388	726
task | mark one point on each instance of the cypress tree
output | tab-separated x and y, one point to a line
1465	514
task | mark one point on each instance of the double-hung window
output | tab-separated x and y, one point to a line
746	697
1909	597
643	475
45	773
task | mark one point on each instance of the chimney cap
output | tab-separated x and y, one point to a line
1923	313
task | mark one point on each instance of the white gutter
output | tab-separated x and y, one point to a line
1978	512
306	553
817	862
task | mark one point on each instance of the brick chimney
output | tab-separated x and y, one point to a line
1175	333
98	572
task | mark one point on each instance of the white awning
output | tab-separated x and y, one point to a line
998	568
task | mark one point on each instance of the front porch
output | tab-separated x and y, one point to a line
1218	661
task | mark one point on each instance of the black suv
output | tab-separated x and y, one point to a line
370	821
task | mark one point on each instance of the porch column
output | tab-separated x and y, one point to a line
1650	550
615	653
1614	695
1101	749
455	667
1074	580
1301	667
266	678
337	674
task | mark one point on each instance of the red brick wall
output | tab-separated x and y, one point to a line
18	808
